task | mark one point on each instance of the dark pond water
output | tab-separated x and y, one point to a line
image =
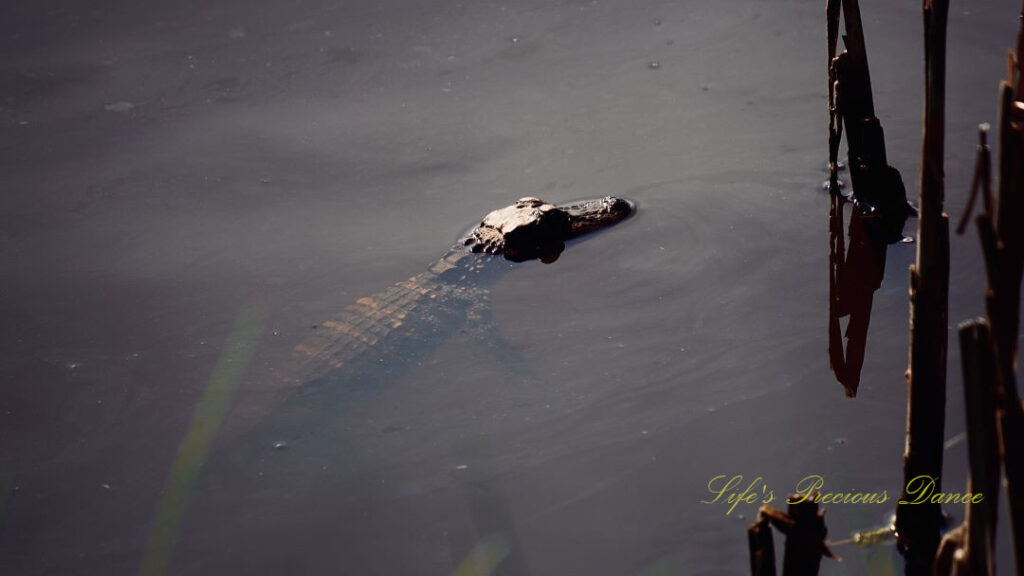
189	187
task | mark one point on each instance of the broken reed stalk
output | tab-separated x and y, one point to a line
1002	242
918	525
804	526
982	446
982	180
762	546
835	125
805	541
950	559
854	40
857	103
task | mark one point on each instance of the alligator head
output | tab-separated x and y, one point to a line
532	228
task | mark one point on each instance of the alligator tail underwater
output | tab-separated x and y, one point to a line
453	290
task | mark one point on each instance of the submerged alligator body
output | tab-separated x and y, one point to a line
426	307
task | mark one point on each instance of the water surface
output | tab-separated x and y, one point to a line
168	167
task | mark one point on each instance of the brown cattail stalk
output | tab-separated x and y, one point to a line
982	446
1002	243
918	525
762	547
804	526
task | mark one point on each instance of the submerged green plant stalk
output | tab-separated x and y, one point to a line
194	448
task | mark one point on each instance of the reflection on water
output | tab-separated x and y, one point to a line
856	270
854	276
878	196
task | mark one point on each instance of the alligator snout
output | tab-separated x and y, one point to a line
589	215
